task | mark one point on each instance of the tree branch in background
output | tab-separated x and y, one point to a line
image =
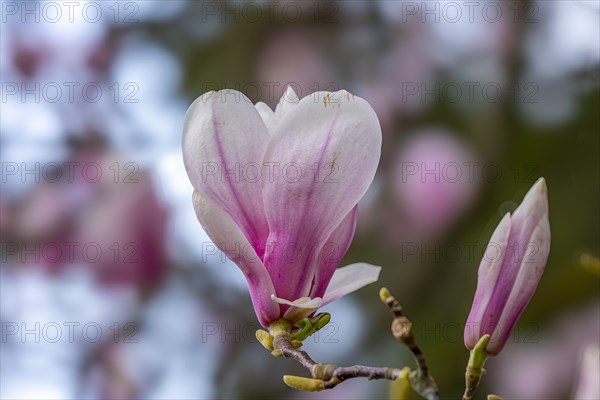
402	329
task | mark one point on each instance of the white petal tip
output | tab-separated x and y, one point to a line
506	218
539	186
348	279
302	302
536	198
262	107
290	95
371	274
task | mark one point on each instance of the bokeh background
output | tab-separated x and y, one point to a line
109	286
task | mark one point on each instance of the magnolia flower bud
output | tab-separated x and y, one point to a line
510	270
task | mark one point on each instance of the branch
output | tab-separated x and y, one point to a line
402	329
324	376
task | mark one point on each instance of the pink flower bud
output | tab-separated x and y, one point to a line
510	270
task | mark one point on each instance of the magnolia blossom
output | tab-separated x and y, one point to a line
510	270
548	368
292	57
277	191
432	181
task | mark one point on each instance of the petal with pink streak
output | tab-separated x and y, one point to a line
228	237
531	269
506	285
487	277
525	221
345	280
224	141
332	252
325	152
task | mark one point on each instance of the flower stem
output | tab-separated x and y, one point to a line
475	370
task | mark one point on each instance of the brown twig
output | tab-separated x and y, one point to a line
402	329
325	376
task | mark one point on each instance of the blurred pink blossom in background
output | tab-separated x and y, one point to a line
545	363
290	58
433	182
127	219
588	383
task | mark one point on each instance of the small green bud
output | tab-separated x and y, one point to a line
307	384
400	388
384	294
277	353
278	327
265	339
493	397
320	320
308	326
479	355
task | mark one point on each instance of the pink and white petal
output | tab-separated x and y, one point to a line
302	302
294	314
288	100
268	116
528	277
272	118
224	141
349	279
527	219
332	252
487	278
228	237
533	208
326	150
300	308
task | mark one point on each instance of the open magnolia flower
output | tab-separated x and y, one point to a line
277	191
